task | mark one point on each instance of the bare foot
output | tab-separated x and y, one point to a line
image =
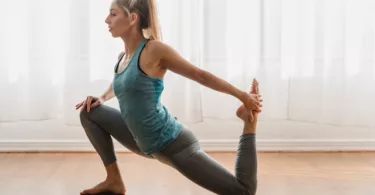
115	186
242	112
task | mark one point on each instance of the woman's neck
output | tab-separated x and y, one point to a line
131	42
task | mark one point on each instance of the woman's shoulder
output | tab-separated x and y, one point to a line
153	49
154	45
159	48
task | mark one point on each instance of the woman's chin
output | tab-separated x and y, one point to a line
114	35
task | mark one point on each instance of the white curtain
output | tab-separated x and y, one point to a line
314	59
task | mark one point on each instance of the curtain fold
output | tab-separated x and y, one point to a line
340	90
314	59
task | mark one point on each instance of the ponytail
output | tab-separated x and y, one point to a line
153	23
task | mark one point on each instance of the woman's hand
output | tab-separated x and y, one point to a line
252	102
90	102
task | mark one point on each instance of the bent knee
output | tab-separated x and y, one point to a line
84	115
251	189
89	115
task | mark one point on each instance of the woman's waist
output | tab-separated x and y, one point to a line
150	118
145	110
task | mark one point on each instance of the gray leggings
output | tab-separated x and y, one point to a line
184	154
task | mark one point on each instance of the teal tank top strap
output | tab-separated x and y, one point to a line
142	45
118	63
135	56
138	51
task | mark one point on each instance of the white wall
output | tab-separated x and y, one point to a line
214	135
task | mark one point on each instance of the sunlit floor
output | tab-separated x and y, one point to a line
279	174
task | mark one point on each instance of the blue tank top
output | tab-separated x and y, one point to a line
138	94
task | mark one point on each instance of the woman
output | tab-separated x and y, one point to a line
144	125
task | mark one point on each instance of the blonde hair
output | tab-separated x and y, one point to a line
147	13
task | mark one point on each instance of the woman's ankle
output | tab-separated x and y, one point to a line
113	171
249	128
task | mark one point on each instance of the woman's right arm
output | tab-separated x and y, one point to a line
92	102
108	94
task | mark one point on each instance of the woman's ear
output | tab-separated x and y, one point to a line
133	18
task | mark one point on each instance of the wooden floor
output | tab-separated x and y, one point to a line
279	174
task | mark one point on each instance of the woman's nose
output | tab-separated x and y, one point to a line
107	20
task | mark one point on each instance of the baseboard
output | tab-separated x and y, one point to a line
207	145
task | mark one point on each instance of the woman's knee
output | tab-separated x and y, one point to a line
86	119
83	114
91	115
251	189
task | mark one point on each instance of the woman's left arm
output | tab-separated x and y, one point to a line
171	60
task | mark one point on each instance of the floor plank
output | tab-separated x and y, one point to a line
279	174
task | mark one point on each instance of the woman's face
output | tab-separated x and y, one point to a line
118	22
